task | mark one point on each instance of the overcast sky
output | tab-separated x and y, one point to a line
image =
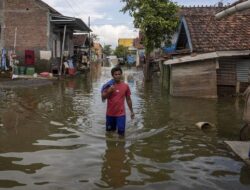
106	20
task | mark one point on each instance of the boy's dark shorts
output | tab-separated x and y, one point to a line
113	123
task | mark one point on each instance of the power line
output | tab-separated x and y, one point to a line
73	10
79	6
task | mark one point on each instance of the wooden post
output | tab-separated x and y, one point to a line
146	68
64	34
89	40
161	72
15	40
237	87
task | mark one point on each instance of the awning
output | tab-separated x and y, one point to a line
74	23
204	56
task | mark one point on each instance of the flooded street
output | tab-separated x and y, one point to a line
53	137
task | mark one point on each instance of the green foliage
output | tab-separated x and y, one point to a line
107	50
156	19
93	38
121	51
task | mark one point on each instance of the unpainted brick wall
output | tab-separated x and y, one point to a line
31	22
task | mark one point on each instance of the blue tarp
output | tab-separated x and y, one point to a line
169	49
131	59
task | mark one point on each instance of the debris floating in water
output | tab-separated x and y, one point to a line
204	125
56	123
1	125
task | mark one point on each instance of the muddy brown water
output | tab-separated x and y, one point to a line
53	137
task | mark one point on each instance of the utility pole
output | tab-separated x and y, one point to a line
14	51
89	39
62	50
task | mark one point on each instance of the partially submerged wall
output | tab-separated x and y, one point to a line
194	79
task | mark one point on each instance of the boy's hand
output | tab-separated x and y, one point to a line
111	89
132	115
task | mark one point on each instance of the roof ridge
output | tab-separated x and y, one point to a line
203	6
48	6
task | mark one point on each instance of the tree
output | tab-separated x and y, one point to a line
93	38
156	19
121	51
107	50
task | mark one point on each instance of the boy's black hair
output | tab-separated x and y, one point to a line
113	70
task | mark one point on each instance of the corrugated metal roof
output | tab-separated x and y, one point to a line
204	56
72	22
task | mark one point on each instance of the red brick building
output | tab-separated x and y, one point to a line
34	25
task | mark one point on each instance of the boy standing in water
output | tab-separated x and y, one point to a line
116	91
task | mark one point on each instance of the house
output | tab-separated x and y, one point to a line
81	44
126	42
140	54
211	57
97	50
35	26
132	51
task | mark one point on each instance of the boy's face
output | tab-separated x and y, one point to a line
117	76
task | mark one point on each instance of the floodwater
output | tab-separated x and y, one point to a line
53	137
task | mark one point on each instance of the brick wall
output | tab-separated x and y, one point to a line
1	24
30	19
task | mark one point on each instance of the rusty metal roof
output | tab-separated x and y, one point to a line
80	39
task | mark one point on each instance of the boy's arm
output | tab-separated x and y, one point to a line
129	102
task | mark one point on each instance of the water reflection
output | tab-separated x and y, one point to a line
10	184
78	155
245	175
116	167
8	164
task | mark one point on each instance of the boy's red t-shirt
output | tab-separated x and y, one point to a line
116	101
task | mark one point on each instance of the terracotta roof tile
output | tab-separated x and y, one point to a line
208	34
